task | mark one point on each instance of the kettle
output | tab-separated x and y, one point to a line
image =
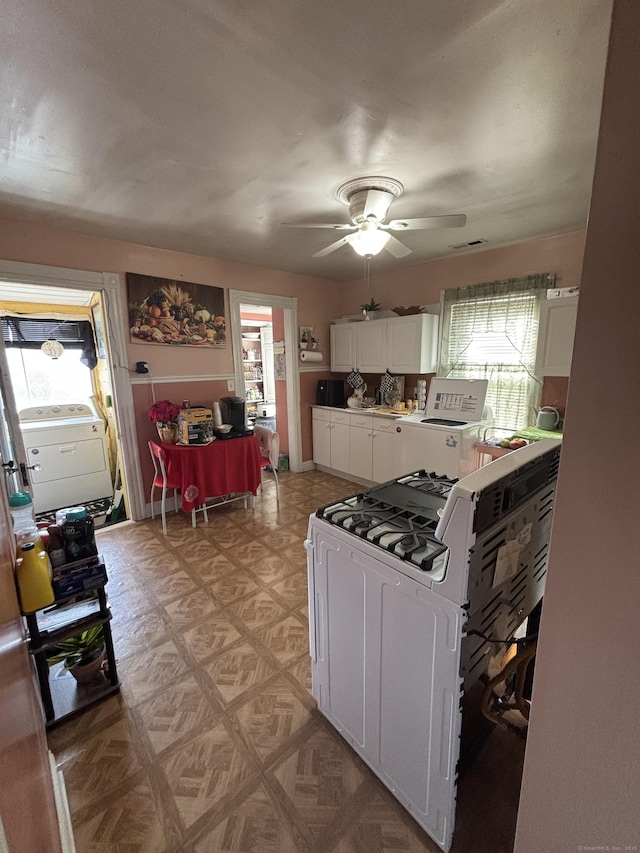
548	418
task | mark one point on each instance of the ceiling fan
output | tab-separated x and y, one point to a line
369	200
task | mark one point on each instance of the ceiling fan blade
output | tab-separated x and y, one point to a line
333	225
377	204
397	249
451	221
333	246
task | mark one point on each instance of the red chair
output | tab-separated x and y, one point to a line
161	481
269	443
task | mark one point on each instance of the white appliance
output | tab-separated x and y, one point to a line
66	455
412	586
442	438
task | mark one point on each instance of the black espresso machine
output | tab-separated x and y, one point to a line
233	411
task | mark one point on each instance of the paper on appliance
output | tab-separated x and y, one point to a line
509	556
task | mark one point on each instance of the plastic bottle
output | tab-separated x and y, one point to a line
79	539
57	553
24	523
33	577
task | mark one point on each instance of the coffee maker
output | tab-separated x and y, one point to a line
233	412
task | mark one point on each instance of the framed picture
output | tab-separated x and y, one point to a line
175	313
306	336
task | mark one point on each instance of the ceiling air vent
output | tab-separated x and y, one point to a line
470	244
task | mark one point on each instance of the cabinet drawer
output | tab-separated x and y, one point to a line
321	414
338	417
361	421
384	424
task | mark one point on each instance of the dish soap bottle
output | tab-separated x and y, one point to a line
33	577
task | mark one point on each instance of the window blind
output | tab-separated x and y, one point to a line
490	331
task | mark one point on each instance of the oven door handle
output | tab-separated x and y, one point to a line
311	582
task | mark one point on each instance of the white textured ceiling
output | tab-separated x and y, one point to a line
201	125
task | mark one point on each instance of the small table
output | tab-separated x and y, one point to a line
220	469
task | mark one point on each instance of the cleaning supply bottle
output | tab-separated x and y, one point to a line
57	553
33	578
78	532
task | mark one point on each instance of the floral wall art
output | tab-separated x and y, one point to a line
178	313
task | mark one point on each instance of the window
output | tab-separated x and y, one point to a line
490	331
37	379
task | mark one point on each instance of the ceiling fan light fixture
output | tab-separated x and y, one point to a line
369	239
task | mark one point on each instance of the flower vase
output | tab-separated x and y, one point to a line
168	433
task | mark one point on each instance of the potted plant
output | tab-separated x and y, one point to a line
369	308
164	414
83	654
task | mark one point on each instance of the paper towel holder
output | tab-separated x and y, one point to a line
310	355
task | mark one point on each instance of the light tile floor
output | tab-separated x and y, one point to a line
214	743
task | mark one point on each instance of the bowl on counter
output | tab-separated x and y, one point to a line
224	428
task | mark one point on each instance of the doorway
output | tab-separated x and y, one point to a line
258	366
279	315
28	289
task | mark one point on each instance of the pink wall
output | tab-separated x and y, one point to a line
318	301
581	780
421	285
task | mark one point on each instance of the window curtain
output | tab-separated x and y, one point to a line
490	331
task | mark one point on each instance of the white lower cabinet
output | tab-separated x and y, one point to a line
362	446
331	438
385	674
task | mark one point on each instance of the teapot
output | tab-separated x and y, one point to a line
356	400
548	418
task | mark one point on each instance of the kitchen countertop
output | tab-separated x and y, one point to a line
381	411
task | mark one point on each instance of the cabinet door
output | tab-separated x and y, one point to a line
412	343
361	450
555	336
343	347
321	442
340	446
371	344
385	459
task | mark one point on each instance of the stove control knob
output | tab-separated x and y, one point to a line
39	411
72	408
55	409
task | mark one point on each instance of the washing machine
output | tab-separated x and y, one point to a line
66	455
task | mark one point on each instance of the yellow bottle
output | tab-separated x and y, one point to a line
33	576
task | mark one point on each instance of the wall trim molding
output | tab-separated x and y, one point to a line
148	379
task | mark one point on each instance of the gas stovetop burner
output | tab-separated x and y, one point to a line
400	516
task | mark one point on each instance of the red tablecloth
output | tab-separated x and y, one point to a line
212	470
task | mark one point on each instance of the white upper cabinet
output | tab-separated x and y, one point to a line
412	343
343	347
401	344
555	336
371	346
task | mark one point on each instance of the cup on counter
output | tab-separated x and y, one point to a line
398	407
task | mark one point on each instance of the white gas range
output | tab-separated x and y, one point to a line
410	584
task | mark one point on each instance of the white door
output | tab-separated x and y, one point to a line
268	372
12	450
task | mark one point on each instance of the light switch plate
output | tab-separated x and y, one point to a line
231	385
